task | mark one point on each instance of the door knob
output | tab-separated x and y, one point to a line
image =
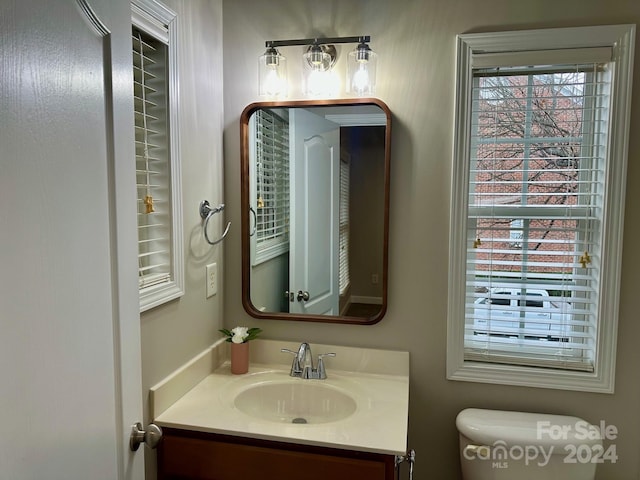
151	436
303	296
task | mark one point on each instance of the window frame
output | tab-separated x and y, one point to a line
160	22
621	39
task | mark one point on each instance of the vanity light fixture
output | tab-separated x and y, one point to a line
318	77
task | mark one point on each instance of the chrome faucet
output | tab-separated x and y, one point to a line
305	358
302	365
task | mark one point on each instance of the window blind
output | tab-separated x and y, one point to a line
272	184
536	180
344	278
152	159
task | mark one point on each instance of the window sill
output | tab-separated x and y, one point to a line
268	253
155	296
469	371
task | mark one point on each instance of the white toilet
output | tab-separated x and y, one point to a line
501	445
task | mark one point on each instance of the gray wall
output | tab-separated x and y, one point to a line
415	41
174	333
269	281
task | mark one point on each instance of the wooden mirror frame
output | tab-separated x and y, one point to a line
245	204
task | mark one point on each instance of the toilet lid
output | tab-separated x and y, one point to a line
485	427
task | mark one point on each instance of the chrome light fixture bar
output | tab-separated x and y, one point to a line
318	61
317	41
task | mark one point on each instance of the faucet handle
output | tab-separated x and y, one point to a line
322	355
322	373
296	370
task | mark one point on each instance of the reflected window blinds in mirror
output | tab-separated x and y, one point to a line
315	197
270	174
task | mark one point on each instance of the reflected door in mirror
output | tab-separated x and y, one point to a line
315	197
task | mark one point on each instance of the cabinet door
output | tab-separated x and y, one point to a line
187	458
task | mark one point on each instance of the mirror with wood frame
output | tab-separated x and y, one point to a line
315	210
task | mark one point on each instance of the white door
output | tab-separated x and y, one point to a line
69	324
315	195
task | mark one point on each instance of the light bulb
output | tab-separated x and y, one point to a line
321	83
361	83
315	82
273	84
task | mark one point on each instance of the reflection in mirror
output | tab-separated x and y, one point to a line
315	196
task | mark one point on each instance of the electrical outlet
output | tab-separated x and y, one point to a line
212	279
374	278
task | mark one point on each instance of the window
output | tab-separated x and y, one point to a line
538	189
156	147
270	198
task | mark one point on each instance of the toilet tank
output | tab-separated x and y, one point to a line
504	445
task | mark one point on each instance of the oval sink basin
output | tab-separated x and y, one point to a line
295	402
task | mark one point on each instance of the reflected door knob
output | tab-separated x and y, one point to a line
303	296
151	436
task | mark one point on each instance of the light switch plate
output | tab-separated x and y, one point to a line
212	279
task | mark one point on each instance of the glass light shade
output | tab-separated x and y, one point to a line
272	74
361	71
318	79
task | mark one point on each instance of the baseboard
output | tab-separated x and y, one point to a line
365	299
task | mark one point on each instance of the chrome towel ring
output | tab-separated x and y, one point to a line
206	212
255	221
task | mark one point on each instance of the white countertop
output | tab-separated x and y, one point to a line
379	423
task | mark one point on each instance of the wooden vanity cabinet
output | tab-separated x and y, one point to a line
189	455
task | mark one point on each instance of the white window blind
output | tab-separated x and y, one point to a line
272	184
152	166
537	201
156	153
344	278
537	172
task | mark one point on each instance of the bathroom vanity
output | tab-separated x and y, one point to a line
266	424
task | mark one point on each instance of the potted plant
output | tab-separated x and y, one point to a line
239	338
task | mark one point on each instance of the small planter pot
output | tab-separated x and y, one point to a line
239	358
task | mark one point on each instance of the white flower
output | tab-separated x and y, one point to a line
239	334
